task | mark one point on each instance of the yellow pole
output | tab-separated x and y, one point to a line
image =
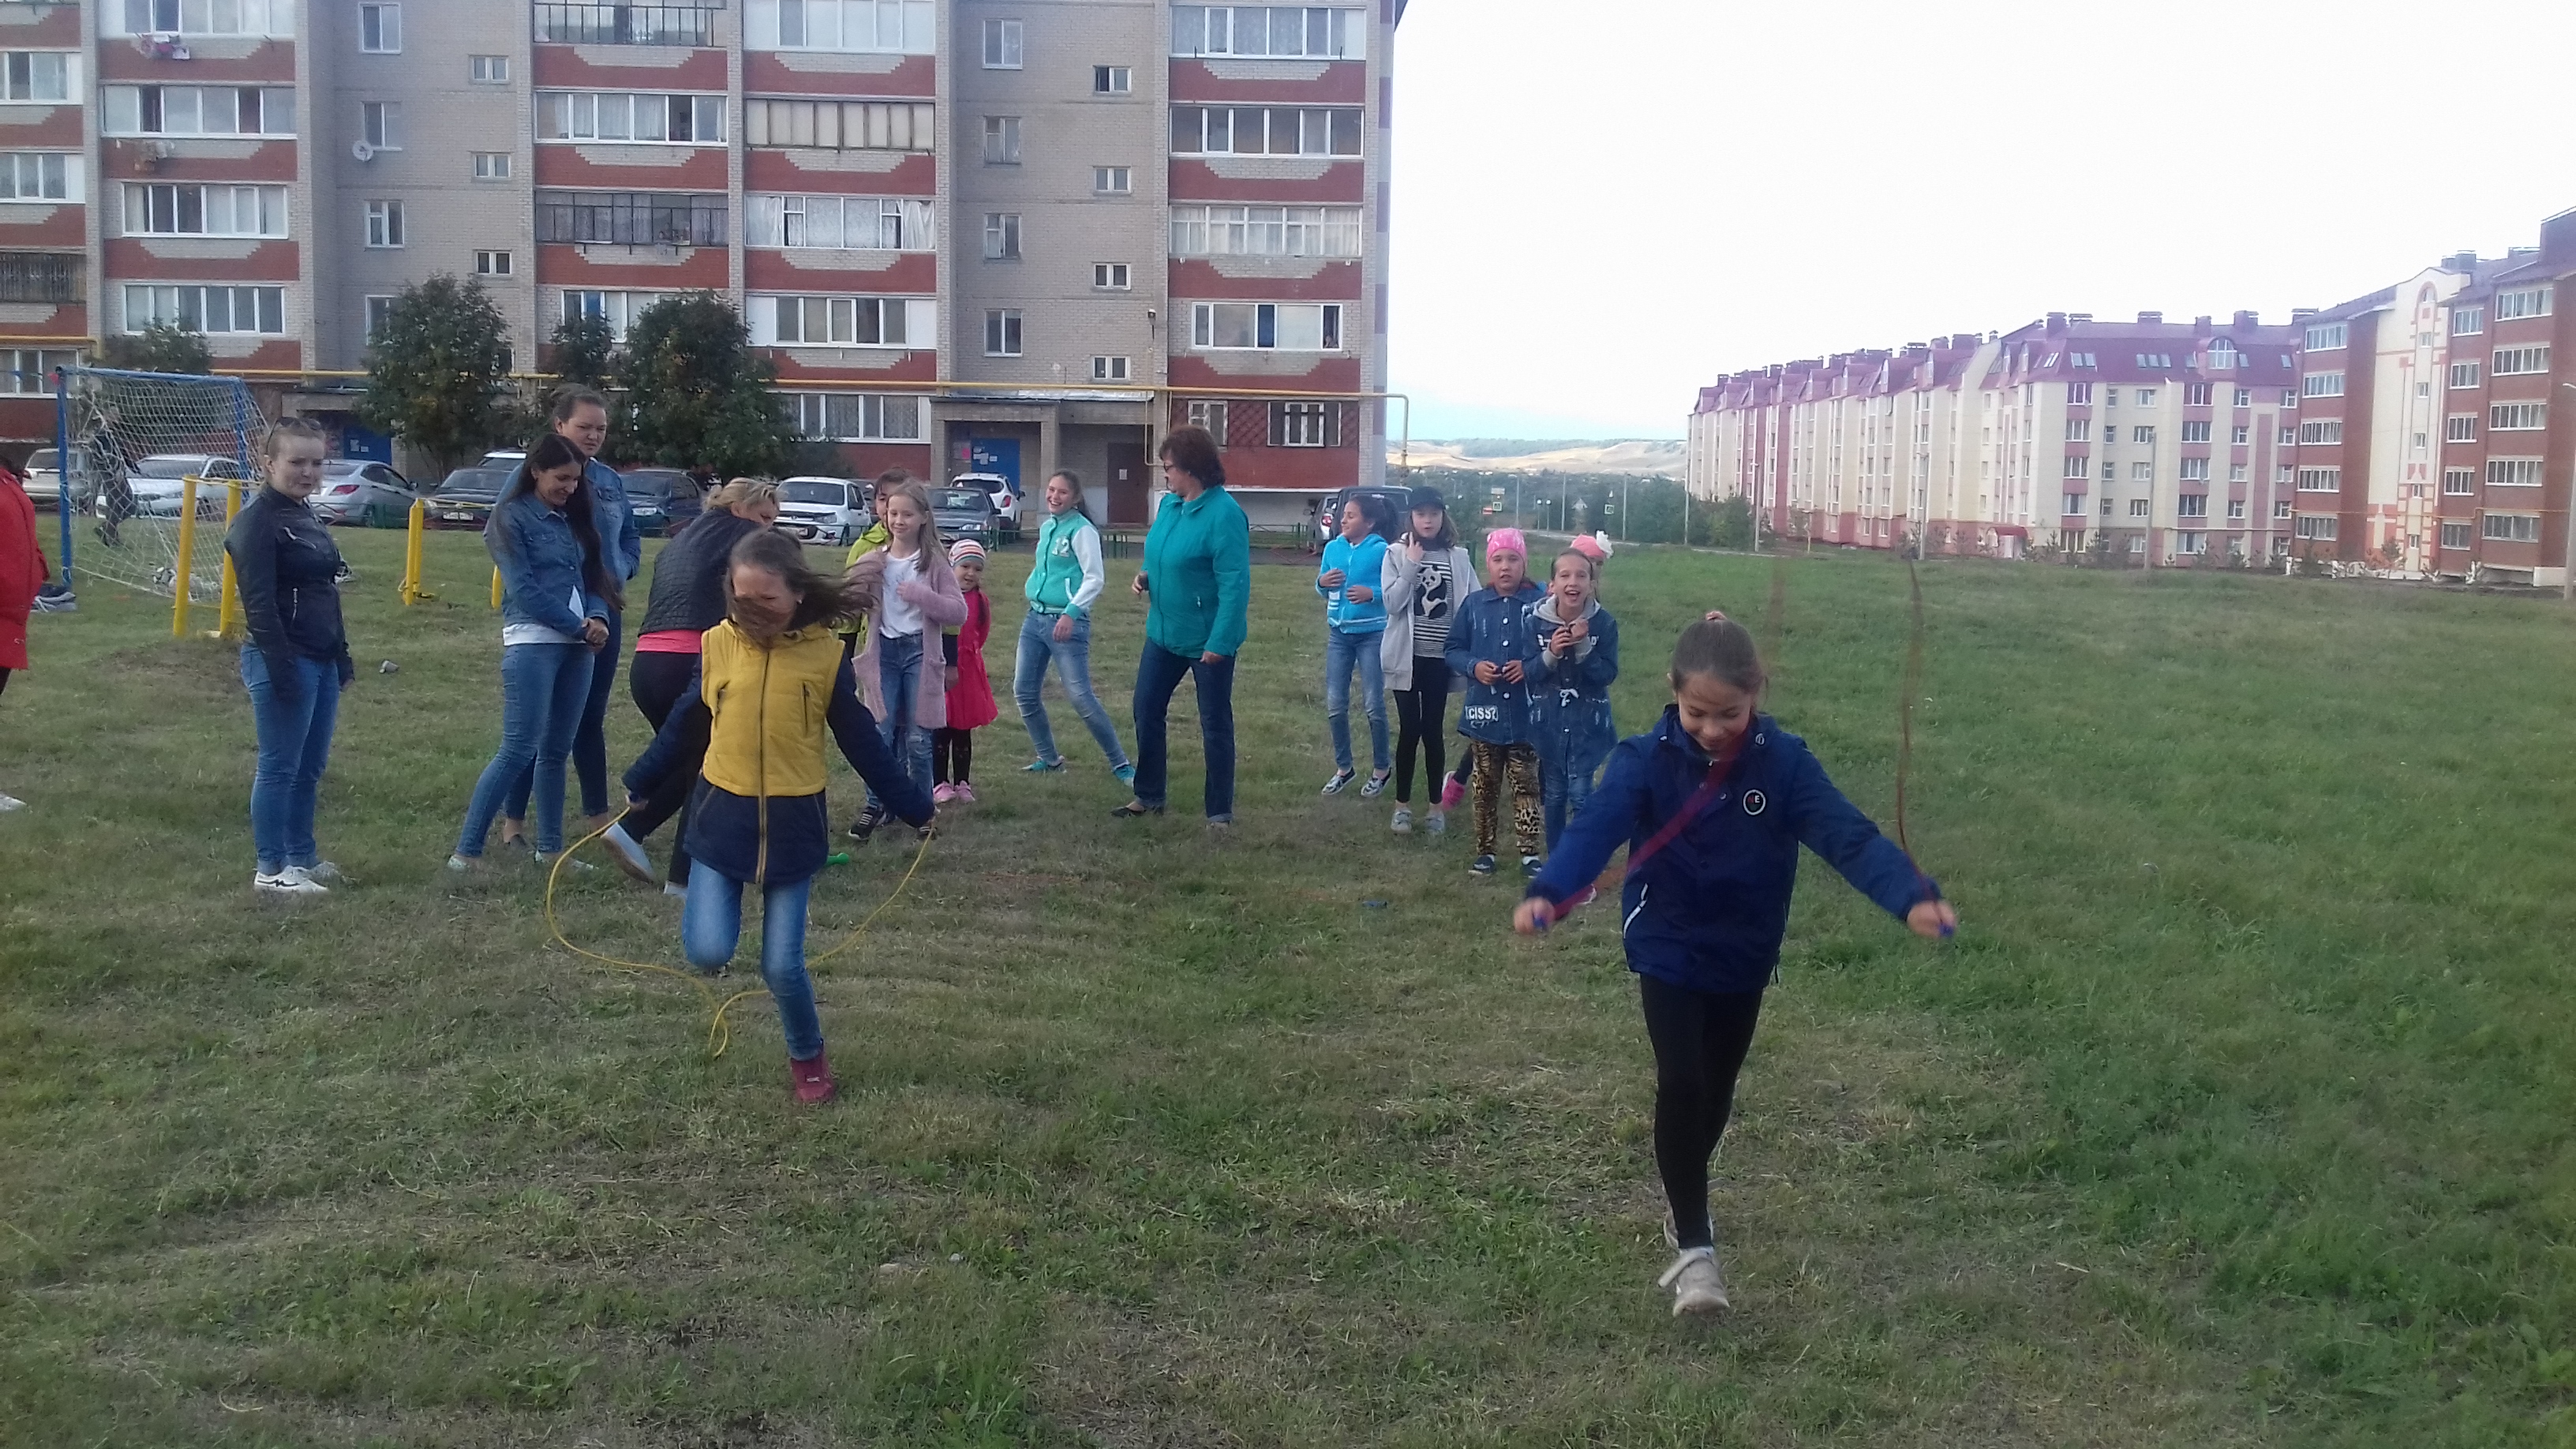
496	588
412	592
228	605
187	558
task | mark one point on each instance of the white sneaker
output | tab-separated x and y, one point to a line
288	883
1697	1288
11	802
1435	821
628	855
1403	820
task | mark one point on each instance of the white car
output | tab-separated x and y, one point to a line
1006	503
44	480
823	510
158	483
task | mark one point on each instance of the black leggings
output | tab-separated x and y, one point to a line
1421	718
952	756
656	681
1700	1038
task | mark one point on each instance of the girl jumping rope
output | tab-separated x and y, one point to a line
771	678
1713	804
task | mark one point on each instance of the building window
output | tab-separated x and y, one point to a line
2464	374
1265	231
2240	435
2322	384
42	277
2080	359
842	321
38	75
2320	480
245	310
2280	509
2195	394
2236	510
1109	369
1283	326
1112	180
2191	505
622	116
1305	425
380	29
2513	472
2110	397
2289	396
491	264
2138	508
1110	277
2529	302
854	417
1002	45
487	70
380	124
2513	527
2325	337
2190	543
2522	417
631	218
2313	527
1304	32
841	125
2238	472
684	25
2071	505
2455	535
853	223
2459	428
1002	332
2146	397
2079	430
2142	472
1208	415
2468	321
618	309
2194	470
2245	397
194	17
904	27
1001	140
2142	435
2282	473
162	209
2459	482
31	369
2078	465
2223	356
1001	236
2079	394
1265	131
1112	80
197	111
380	315
2108	470
2195	432
491	165
39	176
2520	361
2155	359
384	223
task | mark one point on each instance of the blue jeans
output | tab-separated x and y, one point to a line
1341	651
542	689
711	924
899	680
294	745
590	738
1158	674
1072	659
1562	790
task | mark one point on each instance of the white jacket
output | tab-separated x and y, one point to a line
1402	578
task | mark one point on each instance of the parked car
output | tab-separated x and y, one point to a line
822	510
370	494
664	499
159	482
1006	502
1328	518
44	479
465	498
966	511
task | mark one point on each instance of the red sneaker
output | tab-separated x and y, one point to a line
813	1079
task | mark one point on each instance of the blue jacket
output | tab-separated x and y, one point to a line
1709	910
1494	629
620	546
1570	697
1362	563
540	563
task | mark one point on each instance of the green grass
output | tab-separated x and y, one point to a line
2238	1112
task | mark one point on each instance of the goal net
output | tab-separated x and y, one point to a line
136	439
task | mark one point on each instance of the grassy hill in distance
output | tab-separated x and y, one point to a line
1643	458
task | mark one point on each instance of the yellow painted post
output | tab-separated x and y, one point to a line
228	603
496	588
187	558
412	592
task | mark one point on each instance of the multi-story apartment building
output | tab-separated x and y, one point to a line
2163	441
971	233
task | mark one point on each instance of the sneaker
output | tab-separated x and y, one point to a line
1436	821
465	865
1482	865
1376	782
965	793
942	793
1220	822
1340	779
1126	774
61	602
867	823
1136	809
813	1082
11	802
1693	1277
1529	867
674	888
1453	792
1403	822
628	855
328	874
288	884
546	863
1042	767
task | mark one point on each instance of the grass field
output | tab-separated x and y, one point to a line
2238	1112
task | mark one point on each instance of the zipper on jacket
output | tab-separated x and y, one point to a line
760	858
1642	892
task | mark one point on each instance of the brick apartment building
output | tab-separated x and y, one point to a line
970	232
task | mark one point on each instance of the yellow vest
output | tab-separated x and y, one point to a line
769	706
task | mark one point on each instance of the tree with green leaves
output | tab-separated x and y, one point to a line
696	392
438	371
585	351
162	347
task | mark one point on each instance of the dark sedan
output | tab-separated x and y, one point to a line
664	499
465	499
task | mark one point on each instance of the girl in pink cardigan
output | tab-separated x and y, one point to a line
912	595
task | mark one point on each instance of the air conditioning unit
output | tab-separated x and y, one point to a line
361	151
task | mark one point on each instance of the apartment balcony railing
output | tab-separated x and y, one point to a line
41	277
692	25
631	218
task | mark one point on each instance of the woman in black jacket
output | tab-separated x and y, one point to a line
285	567
688	599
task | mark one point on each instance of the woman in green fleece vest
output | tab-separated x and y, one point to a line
1065	582
1197	582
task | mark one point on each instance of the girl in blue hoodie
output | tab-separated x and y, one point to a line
1713	804
1354	624
1570	681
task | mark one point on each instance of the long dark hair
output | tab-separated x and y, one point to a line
544	456
828	598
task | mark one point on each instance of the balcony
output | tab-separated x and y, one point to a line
626	218
42	277
688	25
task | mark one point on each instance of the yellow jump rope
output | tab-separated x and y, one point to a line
719	1031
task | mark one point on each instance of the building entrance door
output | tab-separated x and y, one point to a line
1127	487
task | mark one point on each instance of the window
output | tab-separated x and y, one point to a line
2187	543
380	124
2513	472
1001	236
2289	397
843	321
2194	470
1208	415
384	223
487	70
2146	397
2138	508
2191	505
2071	505
1001	140
2282	473
197	111
2459	428
2459	482
2468	321
2313	527
197	17
491	165
904	27
1112	80
38	75
1265	131
2079	394
2513	527
619	309
2322	384
42	277
1265	231
2325	336
2079	430
2530	302
380	29
2236	510
2142	472
2106	506
31	370
1305	425
2523	417
1002	332
2280	509
1109	277
2078	465
1310	32
2107	467
2518	361
2455	535
2240	435
840	125
631	218
2110	397
2080	359
1112	180
853	417
380	314
2142	435
2245	397
855	223
161	209
491	264
2155	359
2195	394
39	176
2223	356
254	310
2195	432
622	116
2238	472
2464	374
1002	45
1109	369
1284	326
2320	480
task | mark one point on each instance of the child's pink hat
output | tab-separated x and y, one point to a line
1593	546
1505	540
964	549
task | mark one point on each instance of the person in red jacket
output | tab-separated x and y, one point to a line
22	568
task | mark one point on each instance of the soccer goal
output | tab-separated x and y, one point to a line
169	457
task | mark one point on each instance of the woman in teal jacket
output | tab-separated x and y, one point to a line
1197	582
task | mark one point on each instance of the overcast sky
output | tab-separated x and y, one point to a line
1601	205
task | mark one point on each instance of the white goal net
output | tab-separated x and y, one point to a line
137	440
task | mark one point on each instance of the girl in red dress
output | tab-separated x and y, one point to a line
970	691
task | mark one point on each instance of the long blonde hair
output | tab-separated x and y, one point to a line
869	572
733	495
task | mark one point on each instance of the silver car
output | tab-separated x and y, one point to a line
158	483
370	494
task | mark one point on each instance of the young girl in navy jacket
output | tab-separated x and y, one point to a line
1713	804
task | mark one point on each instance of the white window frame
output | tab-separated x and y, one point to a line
864	323
44	178
268	206
2517	417
901	126
1207	321
1268	231
41	77
2459	482
1002	135
2138	508
2314	527
2463	533
1113	181
2464	374
1112	277
575	118
620	307
1111	369
492	263
2326	337
1209	30
165	301
2468	321
797	222
1005	44
2280	509
2196	431
2321	384
2460	428
374	312
121	110
380	124
1304	424
2515	472
870	27
1001	236
2320	480
255	18
487	70
1005	332
2078	465
490	165
2520	361
384	226
1206	131
30	370
1208	413
2525	527
2236	510
2522	302
385	19
857	417
1113	80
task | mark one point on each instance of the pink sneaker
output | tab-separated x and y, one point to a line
1451	792
965	793
813	1080
942	794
